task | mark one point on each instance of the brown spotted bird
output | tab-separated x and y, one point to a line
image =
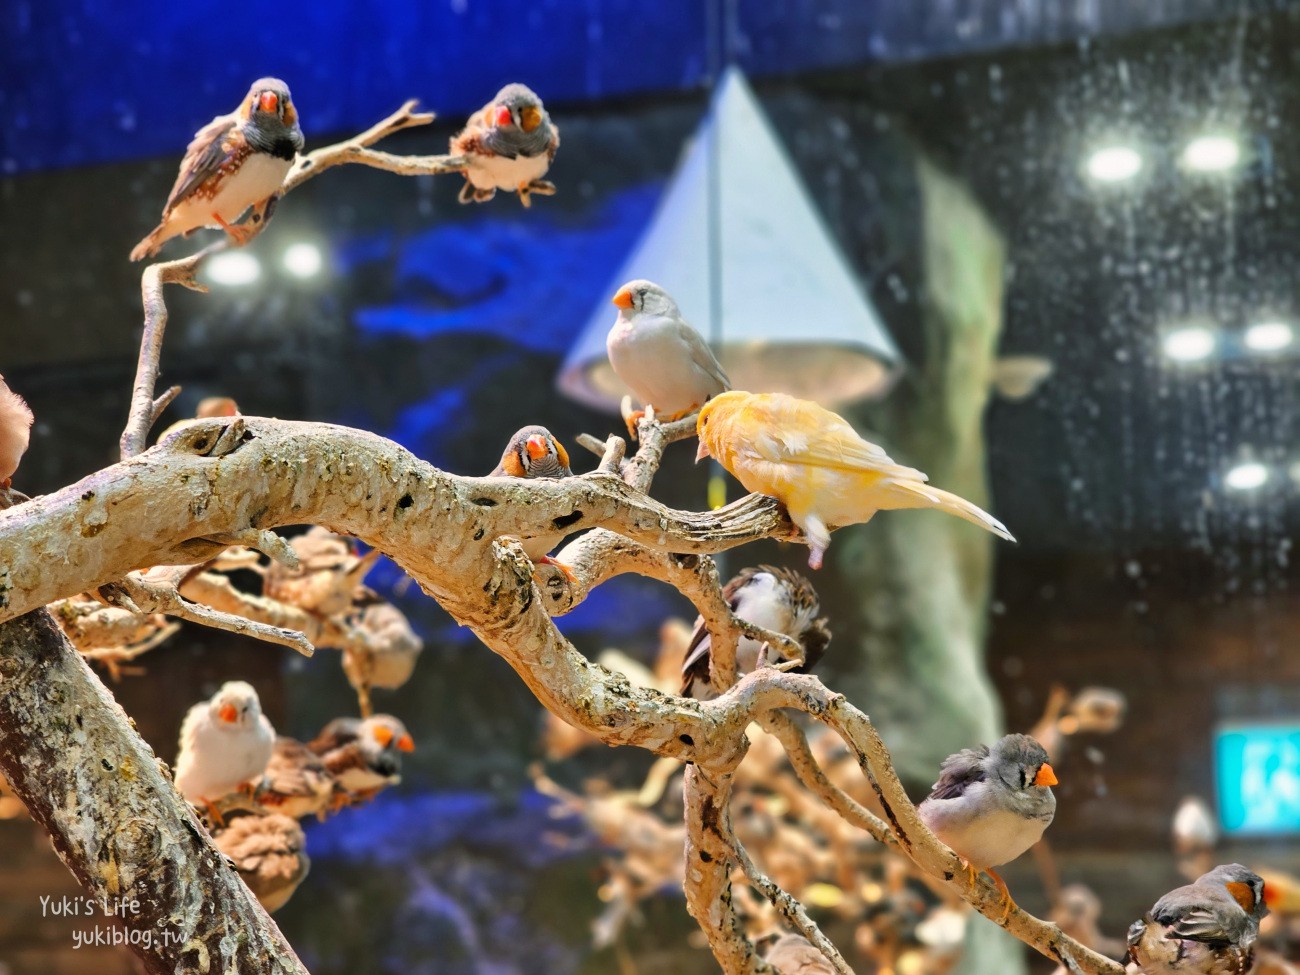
775	599
508	145
235	162
364	756
1208	927
296	782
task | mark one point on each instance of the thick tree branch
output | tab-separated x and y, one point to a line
84	774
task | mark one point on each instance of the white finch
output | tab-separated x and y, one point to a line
992	804
363	756
814	463
225	742
509	145
775	599
270	854
15	432
658	355
1208	927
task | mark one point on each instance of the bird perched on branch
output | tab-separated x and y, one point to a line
380	652
659	356
270	854
773	598
236	161
992	804
508	145
225	742
1208	927
15	432
364	756
814	463
533	453
328	577
295	782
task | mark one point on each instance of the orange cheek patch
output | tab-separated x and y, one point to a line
1243	895
383	735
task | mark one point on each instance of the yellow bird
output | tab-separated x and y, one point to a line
814	463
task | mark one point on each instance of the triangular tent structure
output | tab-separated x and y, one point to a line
793	315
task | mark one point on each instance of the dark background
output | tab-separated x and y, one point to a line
443	327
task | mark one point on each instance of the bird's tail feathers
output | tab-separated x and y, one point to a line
914	494
149	246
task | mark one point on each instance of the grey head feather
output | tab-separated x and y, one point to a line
511	141
267	131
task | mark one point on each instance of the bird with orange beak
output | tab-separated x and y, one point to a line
814	463
654	350
508	145
532	453
225	742
992	804
235	162
363	756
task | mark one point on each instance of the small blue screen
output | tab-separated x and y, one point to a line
1257	772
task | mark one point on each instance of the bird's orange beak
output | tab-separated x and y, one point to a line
406	744
623	299
1045	775
228	713
702	452
536	446
268	101
502	116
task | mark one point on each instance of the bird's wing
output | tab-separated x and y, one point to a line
696	665
206	154
346	759
193	723
338	732
1201	922
554	145
289	768
703	358
797	431
959	772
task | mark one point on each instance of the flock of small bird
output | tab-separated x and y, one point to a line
254	786
989	805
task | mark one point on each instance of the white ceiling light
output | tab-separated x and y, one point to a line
1211	153
1190	344
1246	476
1268	336
233	268
303	260
1114	164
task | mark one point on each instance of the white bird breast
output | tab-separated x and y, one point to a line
259	177
504	173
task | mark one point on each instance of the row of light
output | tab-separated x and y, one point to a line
1196	343
237	268
1205	154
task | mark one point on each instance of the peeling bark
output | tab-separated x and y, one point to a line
75	761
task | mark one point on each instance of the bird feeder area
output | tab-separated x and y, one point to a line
877	418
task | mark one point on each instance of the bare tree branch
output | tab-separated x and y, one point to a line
92	783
